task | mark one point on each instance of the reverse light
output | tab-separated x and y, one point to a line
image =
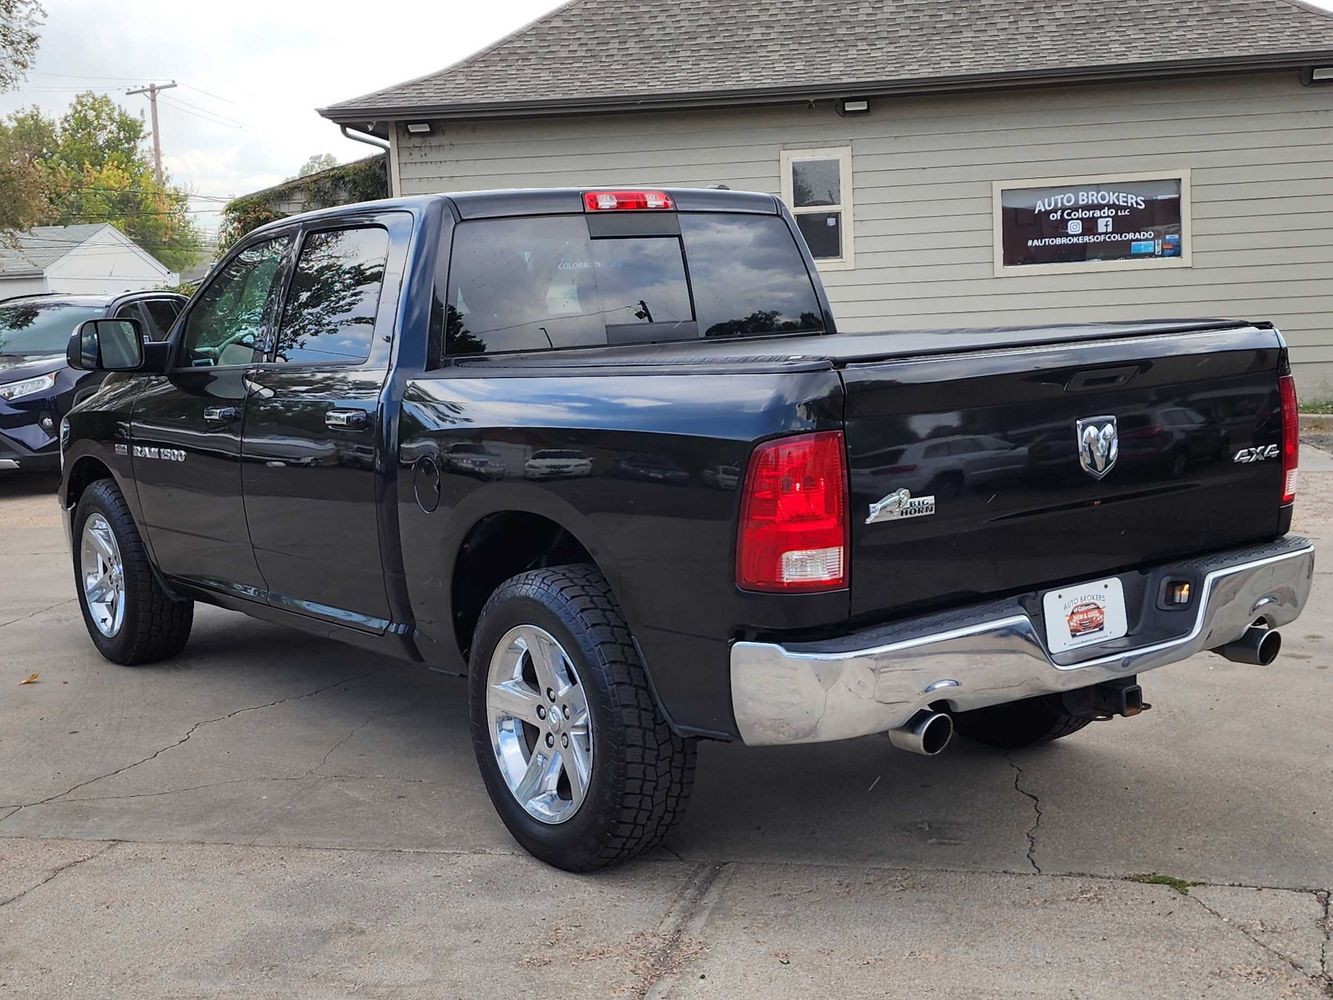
28	387
793	526
627	201
1291	437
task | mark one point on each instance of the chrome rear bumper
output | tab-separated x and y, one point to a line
988	654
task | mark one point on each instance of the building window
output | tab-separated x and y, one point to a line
1105	223
817	187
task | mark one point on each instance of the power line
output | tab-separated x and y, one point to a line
208	116
184	103
87	76
198	90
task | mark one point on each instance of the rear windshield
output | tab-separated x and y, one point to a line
543	282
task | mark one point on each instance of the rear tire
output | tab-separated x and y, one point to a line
598	784
1020	723
129	616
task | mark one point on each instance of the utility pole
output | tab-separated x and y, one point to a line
152	91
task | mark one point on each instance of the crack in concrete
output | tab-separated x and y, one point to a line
663	961
345	739
1036	808
39	611
57	873
1324	969
184	739
1320	979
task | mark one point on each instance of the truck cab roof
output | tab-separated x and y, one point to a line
465	205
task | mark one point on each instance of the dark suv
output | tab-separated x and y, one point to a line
37	387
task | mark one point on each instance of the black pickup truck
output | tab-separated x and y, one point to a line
605	453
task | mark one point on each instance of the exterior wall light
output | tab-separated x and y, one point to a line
419	128
853	106
1319	74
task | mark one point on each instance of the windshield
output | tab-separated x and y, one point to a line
37	327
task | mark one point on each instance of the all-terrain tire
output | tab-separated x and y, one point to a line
155	625
1020	723
641	773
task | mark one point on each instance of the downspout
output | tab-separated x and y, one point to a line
369	140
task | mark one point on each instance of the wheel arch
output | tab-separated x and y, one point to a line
530	529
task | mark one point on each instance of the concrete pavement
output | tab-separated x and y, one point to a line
271	815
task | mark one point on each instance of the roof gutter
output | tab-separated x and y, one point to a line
374	118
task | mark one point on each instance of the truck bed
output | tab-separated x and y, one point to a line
805	352
981	427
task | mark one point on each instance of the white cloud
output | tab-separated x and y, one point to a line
251	72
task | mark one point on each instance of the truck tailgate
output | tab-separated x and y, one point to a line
992	436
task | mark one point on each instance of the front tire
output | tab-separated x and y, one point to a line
1020	723
130	617
575	754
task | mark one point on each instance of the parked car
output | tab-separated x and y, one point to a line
37	387
606	624
944	466
650	468
557	463
722	477
471	458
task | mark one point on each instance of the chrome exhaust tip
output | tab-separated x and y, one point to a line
1258	646
926	733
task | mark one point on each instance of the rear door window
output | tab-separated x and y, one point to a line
329	315
543	282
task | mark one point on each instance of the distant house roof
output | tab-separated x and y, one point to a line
611	55
30	253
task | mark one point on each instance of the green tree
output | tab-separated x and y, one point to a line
22	179
92	165
19	20
97	132
316	163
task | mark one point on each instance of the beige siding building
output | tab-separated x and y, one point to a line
1011	195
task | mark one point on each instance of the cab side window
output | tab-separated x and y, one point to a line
226	323
130	310
161	314
329	316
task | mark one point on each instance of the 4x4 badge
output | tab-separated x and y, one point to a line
1098	445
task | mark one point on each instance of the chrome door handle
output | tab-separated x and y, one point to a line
347	420
221	414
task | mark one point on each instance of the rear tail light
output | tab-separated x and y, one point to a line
627	201
793	526
1291	437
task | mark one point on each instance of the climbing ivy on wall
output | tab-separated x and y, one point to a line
363	180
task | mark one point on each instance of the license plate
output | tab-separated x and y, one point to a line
1084	615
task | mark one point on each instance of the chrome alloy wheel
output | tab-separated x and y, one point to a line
103	573
541	731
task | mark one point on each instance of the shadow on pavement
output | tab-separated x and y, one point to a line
14	485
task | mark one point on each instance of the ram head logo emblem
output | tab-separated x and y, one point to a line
1098	445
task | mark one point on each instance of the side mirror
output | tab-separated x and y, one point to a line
106	345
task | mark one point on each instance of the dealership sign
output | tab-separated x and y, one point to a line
1101	221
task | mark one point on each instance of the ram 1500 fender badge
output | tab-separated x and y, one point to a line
1263	454
1098	445
163	454
898	505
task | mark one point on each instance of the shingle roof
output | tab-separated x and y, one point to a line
33	251
593	53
